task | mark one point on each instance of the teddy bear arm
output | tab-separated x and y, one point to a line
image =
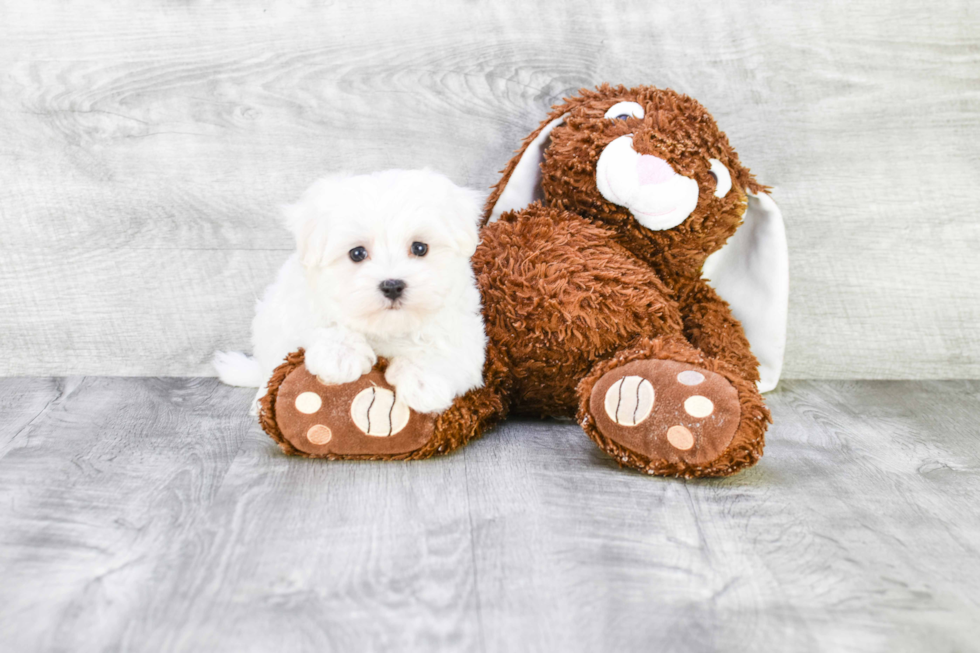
710	326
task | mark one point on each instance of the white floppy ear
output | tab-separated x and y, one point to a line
466	206
524	184
301	220
305	220
751	273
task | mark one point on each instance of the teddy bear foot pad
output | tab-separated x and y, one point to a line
666	410
363	418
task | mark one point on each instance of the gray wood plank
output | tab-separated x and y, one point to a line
151	514
93	497
22	402
296	555
128	308
145	149
843	538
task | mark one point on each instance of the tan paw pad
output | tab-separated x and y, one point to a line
629	400
690	377
319	434
308	403
698	406
378	412
680	437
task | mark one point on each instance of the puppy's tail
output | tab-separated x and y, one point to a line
235	368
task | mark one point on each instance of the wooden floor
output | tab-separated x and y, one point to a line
153	514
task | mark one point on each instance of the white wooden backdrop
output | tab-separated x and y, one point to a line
144	147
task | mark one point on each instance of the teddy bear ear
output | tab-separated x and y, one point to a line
751	273
521	181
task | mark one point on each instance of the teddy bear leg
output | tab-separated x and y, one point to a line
364	419
665	409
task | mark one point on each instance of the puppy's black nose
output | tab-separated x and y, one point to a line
392	288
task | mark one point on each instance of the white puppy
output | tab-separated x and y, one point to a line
382	268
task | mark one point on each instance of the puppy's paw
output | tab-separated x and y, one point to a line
342	359
422	392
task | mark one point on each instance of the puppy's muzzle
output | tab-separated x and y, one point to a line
392	288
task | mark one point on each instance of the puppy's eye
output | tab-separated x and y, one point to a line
625	110
419	249
723	179
357	254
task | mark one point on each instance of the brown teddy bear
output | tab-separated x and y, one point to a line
591	266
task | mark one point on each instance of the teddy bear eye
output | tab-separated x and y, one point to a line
722	177
357	254
625	110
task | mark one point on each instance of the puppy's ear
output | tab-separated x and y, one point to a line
305	218
465	209
301	222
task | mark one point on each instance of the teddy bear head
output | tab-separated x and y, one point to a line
650	163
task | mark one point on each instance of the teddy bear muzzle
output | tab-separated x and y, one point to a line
655	194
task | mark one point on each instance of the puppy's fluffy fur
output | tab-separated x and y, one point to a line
322	300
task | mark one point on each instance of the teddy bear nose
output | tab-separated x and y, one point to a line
392	288
653	170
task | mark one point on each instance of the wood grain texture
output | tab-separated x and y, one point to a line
152	514
95	494
144	149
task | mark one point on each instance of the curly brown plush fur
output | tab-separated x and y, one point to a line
574	288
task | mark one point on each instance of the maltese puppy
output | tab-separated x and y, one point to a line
382	268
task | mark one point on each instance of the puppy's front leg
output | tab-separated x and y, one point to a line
338	355
421	384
